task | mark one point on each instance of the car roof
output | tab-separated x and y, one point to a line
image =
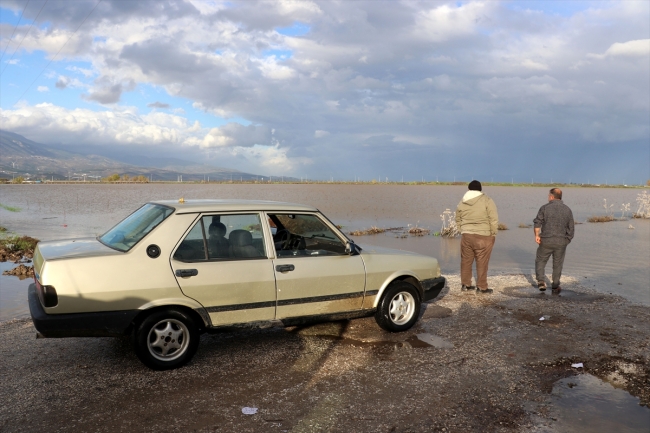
230	205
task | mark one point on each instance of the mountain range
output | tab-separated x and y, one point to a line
20	156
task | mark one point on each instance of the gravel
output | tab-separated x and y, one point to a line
341	376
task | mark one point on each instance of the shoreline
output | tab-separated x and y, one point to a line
497	375
311	182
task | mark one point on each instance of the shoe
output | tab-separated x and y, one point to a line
556	290
465	288
486	291
541	285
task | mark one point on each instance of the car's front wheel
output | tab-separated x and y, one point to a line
399	307
166	339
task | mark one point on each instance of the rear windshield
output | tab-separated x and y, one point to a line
131	229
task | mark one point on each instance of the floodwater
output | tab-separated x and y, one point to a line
609	257
585	404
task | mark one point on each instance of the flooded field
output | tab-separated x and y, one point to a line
609	257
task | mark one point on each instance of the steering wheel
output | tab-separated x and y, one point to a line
283	237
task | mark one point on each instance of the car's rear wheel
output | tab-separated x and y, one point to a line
399	307
166	339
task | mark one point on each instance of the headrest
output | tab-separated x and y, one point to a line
240	238
217	229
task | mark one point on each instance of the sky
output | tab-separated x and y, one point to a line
523	91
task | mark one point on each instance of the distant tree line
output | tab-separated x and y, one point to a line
126	178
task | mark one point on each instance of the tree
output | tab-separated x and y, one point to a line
113	178
18	179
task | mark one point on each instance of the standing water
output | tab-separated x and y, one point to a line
609	257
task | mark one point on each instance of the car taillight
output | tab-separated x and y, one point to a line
47	294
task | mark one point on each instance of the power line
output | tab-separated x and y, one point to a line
21	41
57	53
14	32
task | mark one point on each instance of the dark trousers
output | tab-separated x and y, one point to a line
548	248
473	247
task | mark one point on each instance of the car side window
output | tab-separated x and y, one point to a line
304	235
193	246
227	237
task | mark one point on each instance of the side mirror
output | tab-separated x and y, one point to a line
351	248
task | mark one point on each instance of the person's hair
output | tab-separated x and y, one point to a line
556	193
475	185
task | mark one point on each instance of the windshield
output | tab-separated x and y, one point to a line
131	229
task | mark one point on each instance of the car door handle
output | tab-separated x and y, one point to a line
187	272
285	268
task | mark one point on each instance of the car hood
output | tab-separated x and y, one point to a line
372	249
74	248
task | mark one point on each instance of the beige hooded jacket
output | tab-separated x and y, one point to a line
477	214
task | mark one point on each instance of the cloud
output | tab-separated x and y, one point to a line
158	104
43	89
64	82
409	82
108	93
637	48
85	72
234	134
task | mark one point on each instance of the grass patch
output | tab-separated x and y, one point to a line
502	226
18	243
601	219
525	226
10	208
2	229
418	231
374	230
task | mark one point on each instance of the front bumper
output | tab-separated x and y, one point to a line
432	287
99	324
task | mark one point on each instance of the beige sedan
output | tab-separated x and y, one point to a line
175	269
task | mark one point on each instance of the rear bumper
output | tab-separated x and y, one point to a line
100	324
432	287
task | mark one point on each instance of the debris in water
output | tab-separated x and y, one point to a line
249	410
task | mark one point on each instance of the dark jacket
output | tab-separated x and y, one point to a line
556	221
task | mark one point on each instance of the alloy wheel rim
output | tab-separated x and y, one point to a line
401	308
168	340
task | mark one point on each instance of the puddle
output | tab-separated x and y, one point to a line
436	312
416	341
429	340
586	404
13	294
532	292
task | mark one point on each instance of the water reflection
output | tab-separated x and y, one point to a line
585	404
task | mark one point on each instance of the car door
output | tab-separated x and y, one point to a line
223	264
314	275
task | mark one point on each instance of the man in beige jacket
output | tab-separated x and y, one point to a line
477	220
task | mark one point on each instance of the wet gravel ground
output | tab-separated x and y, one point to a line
345	376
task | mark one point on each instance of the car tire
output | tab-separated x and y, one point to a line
399	307
166	339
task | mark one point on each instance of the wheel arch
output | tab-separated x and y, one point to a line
407	277
195	315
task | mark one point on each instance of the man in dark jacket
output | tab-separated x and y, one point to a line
553	232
